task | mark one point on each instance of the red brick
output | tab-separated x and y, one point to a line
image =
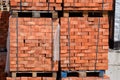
34	45
83	43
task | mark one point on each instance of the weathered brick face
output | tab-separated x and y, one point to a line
88	5
36	5
57	4
81	40
34	45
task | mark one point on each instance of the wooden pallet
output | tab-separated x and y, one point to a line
36	14
82	73
34	74
85	13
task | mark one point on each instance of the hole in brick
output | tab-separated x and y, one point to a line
35	14
60	14
73	74
44	74
75	14
38	44
90	74
24	40
24	14
95	14
48	15
24	74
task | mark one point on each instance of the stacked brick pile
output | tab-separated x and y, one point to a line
88	4
79	39
35	44
4	21
83	40
2	66
87	78
36	4
31	78
57	4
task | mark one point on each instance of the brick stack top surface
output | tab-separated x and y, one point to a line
57	4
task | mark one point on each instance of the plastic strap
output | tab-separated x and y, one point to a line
69	40
97	44
52	46
21	5
48	6
16	43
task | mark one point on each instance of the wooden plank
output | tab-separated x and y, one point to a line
54	14
34	74
105	13
85	13
14	74
54	74
66	14
82	74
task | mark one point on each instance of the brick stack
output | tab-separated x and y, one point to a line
88	4
87	78
83	40
35	44
31	78
2	65
4	22
36	4
57	4
81	54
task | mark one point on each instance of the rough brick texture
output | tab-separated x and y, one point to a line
57	4
36	4
31	78
35	44
4	21
78	40
88	4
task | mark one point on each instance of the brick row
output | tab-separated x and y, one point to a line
87	78
78	43
34	44
67	78
57	4
88	5
36	4
4	22
30	78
